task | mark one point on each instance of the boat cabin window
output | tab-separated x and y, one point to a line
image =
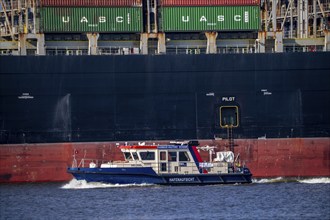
135	156
162	155
172	156
147	155
128	156
183	156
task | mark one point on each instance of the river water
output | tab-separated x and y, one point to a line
263	199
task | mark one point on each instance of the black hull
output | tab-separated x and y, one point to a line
121	98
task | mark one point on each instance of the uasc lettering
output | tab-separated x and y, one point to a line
100	19
220	18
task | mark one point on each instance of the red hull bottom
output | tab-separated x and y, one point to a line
266	158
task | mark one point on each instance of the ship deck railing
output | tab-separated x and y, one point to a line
231	49
228	47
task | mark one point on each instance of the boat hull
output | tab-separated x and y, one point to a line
148	176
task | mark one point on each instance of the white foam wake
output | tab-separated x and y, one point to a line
285	180
315	180
82	184
273	180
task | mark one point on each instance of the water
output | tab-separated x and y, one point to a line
263	199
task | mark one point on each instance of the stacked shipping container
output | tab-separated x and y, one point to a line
126	16
209	15
69	16
93	3
176	3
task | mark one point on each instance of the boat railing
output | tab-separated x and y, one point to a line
163	167
86	162
94	163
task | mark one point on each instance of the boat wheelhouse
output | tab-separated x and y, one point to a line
176	163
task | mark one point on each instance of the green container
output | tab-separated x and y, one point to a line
91	19
224	18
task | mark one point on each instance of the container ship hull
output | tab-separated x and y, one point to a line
274	106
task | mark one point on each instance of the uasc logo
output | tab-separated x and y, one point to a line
220	18
99	19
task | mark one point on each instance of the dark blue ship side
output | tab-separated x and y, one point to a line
122	98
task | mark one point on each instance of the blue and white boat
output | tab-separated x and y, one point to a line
173	164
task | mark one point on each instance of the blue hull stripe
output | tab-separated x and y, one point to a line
145	175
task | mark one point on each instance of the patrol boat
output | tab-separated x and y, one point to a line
177	163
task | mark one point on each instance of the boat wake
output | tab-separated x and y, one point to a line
274	180
315	180
82	184
286	180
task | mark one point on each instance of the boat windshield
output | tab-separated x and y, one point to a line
128	156
135	156
183	156
147	155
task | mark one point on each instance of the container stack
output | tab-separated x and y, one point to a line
81	16
209	15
